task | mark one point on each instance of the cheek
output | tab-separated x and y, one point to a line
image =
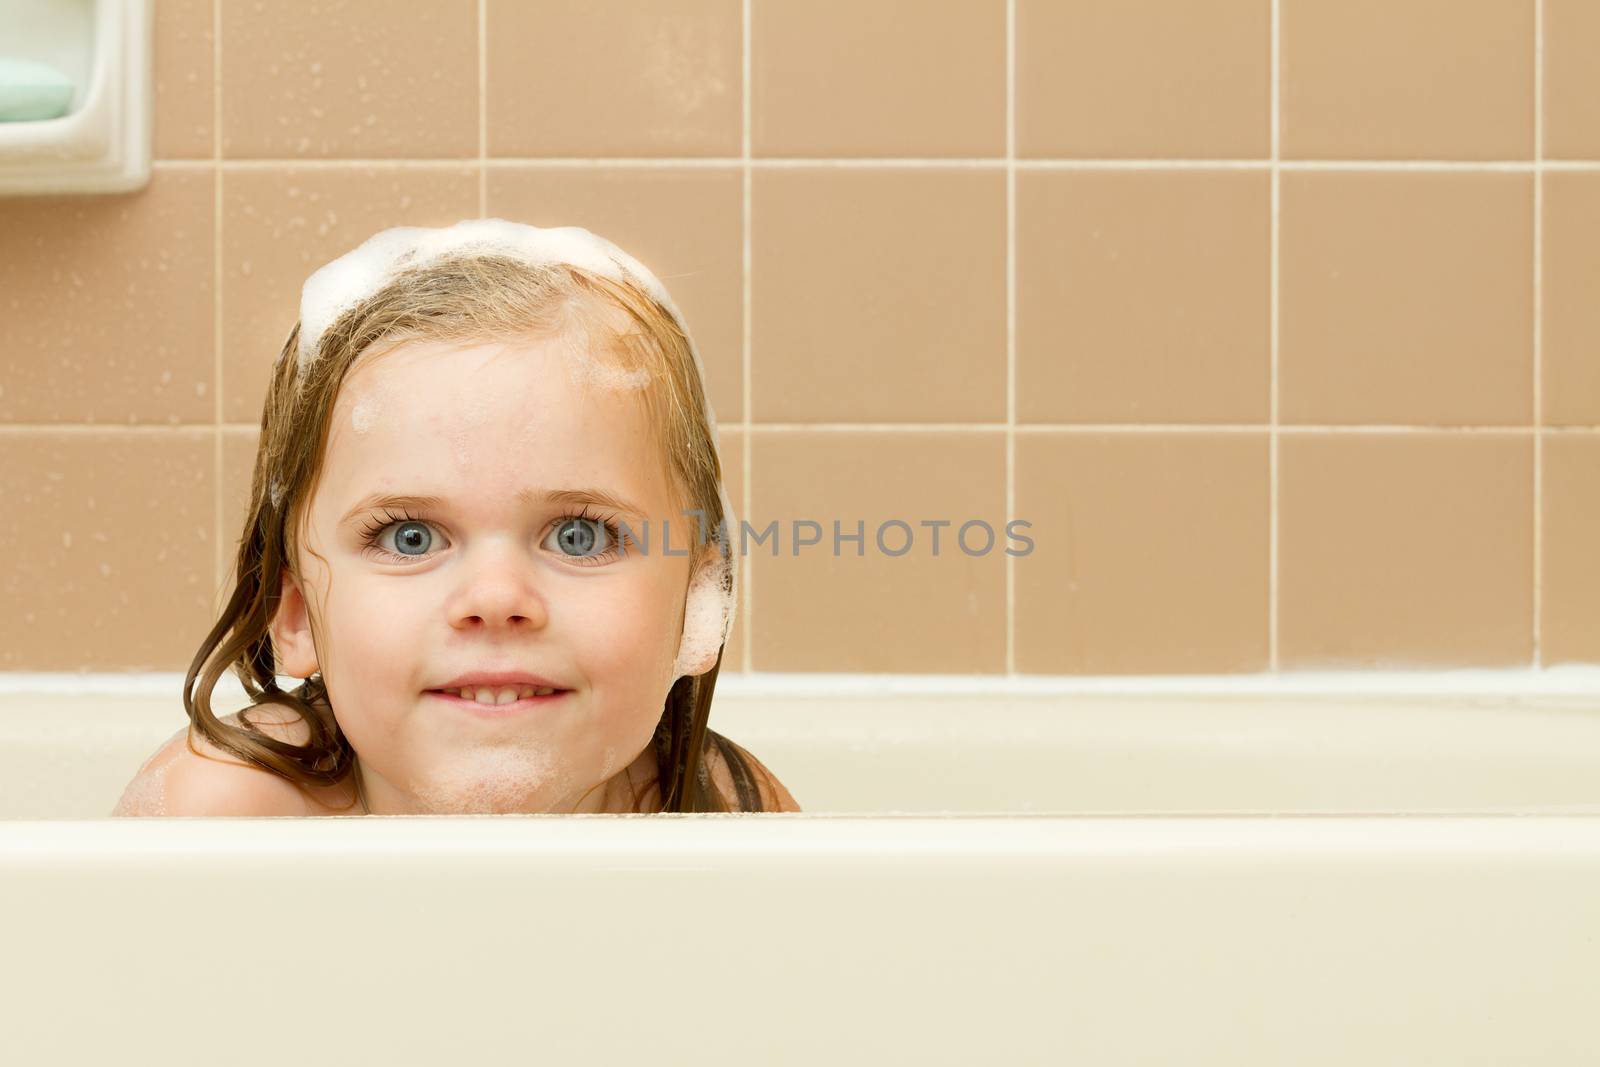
626	647
371	652
627	635
367	668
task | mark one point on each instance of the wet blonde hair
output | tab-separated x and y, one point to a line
460	299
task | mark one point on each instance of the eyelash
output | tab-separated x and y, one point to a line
371	533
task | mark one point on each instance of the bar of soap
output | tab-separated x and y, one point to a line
32	91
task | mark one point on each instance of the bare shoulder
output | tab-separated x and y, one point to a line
207	780
774	797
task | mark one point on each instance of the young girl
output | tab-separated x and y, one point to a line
487	527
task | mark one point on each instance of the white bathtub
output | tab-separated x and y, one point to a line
1174	874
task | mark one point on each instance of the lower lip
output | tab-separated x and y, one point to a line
500	711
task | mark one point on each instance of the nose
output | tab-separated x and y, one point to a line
497	590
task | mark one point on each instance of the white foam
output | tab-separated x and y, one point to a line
501	778
146	794
710	607
585	370
338	286
363	414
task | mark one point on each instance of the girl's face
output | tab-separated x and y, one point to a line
512	568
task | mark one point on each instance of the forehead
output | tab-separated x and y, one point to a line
444	419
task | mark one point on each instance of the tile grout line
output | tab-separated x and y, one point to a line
483	109
1011	327
899	162
1306	430
1272	346
218	576
1538	339
747	655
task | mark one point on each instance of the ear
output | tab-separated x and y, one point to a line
291	631
707	615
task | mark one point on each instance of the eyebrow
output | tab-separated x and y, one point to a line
532	497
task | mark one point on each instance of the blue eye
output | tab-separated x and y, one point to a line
412	538
582	537
587	540
409	535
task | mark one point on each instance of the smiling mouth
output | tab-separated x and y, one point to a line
500	697
498	693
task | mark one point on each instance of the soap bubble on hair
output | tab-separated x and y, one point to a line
708	612
340	285
578	345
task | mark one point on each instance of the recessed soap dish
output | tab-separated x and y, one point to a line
102	143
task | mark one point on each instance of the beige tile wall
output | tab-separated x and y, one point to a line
1278	319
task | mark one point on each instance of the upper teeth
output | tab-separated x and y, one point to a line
503	695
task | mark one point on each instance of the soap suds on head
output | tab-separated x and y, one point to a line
584	369
340	285
710	607
362	414
708	610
